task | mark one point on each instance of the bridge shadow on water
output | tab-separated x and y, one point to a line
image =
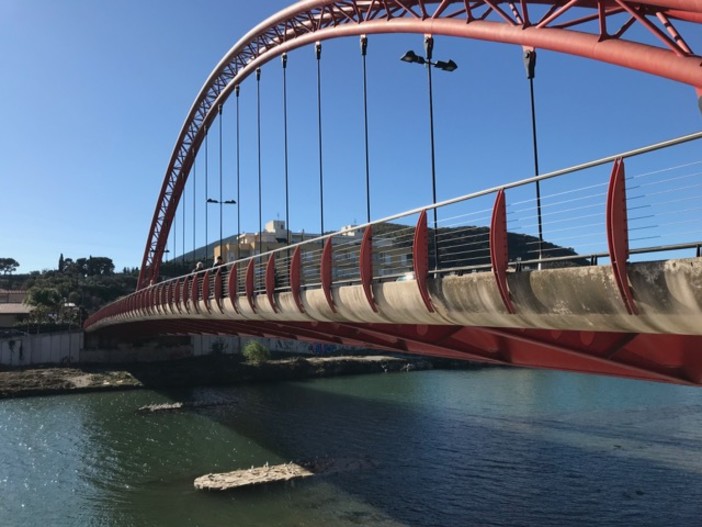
463	464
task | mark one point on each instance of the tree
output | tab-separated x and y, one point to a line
8	265
62	263
95	266
100	265
46	302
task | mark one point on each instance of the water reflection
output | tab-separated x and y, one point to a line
487	447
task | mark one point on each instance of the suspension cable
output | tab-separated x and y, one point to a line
175	233
258	117
184	214
530	65
207	155
284	59
318	51
194	207
364	50
238	201
219	110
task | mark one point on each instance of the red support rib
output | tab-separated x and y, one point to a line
177	296
195	294
618	234
270	282
420	257
250	284
233	286
206	291
170	296
499	254
366	267
218	287
185	295
325	273
295	273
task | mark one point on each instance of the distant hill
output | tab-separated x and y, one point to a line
469	246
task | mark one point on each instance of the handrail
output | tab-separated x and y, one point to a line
485	192
351	251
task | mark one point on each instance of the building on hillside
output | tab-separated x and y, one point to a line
273	236
388	257
13	310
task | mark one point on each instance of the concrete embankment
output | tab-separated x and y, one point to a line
200	371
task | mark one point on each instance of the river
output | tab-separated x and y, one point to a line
494	446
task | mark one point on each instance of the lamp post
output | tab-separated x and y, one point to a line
220	203
449	66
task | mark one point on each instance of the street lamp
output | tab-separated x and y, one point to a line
412	57
220	203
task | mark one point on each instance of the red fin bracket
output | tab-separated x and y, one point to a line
325	273
233	286
295	282
270	282
499	254
218	289
250	283
618	234
420	257
366	267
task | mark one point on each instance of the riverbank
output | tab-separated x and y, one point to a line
202	371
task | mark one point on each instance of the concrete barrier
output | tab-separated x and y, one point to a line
49	348
68	348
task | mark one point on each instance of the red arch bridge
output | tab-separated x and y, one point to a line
615	287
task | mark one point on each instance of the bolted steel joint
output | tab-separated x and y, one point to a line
428	46
529	58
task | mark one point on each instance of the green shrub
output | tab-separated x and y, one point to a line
256	352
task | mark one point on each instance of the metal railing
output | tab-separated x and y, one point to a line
663	207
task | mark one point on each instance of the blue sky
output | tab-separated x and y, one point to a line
94	95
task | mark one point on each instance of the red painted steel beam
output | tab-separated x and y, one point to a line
664	358
523	347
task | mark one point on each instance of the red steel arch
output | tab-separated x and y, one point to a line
593	29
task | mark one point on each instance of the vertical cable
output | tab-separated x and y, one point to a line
175	233
221	249
364	50
194	207
284	59
258	118
428	48
207	193
183	211
238	201
530	65
318	50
